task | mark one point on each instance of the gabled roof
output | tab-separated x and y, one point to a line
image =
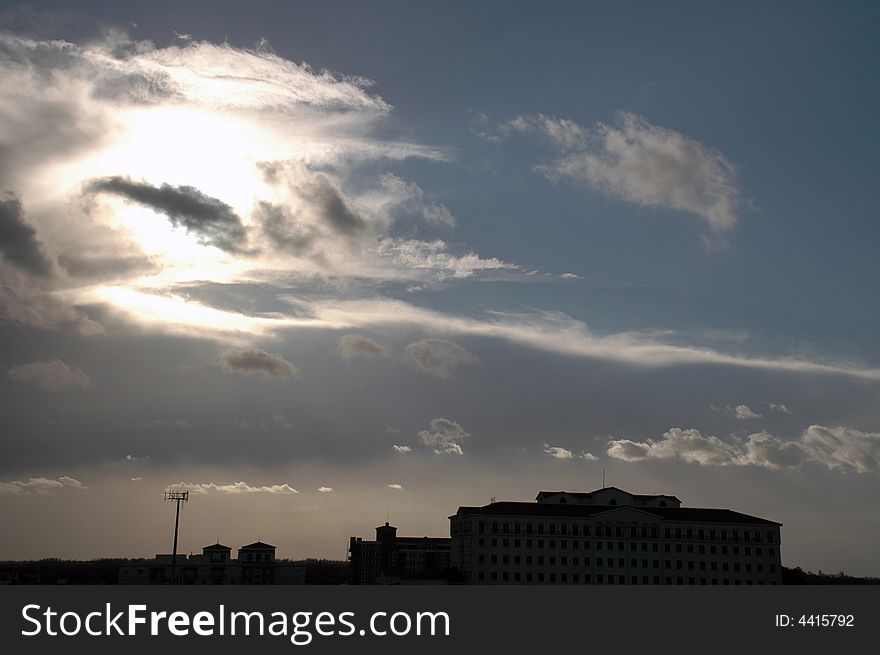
257	545
588	494
686	514
217	546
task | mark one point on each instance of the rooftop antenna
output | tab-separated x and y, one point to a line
177	497
603	477
492	499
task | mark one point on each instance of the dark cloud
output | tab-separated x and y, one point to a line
354	345
331	208
284	231
18	240
257	363
211	219
320	210
104	267
53	375
438	356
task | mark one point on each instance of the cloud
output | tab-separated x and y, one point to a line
40	486
433	257
743	413
18	240
438	356
355	345
410	197
403	450
325	490
570	276
446	437
558	452
27	275
564	133
590	457
215	223
640	163
843	449
554	332
779	407
159	423
232	145
52	375
258	363
274	421
394	486
234	488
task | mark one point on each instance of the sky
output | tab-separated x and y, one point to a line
323	263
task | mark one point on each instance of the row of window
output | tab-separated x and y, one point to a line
620	546
529	577
619	531
620	562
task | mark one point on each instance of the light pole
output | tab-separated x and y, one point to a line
178	497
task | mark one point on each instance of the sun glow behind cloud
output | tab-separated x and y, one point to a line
223	165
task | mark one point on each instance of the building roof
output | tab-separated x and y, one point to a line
423	540
257	545
217	546
687	514
588	494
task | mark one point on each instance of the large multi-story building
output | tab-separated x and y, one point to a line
398	560
256	565
610	536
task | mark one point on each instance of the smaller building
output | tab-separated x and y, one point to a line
256	565
399	560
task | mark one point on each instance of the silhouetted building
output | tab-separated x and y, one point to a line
256	565
610	536
398	560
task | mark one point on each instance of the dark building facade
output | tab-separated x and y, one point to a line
398	560
610	536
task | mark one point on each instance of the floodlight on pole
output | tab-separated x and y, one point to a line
177	497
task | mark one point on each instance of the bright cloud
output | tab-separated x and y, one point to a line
41	486
743	413
840	448
444	437
234	488
640	163
558	452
